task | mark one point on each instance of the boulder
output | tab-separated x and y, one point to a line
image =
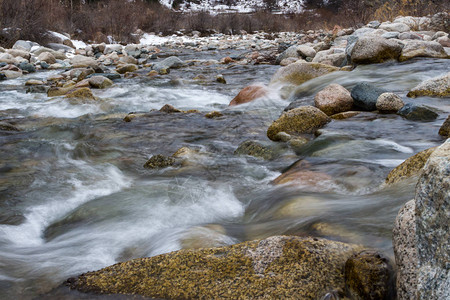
296	51
9	74
56	54
369	275
273	268
213	114
19	53
169	109
415	48
34	82
126	68
434	87
409	36
389	103
375	49
80	61
25	66
330	57
128	60
333	99
405	251
445	128
255	149
99	82
168	63
410	167
399	27
305	119
81	93
433	225
365	95
417	113
299	72
159	161
7	58
23	45
249	93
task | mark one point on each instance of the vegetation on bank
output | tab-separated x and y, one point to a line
95	20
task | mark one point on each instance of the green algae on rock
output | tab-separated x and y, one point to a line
410	167
299	72
159	161
276	267
304	119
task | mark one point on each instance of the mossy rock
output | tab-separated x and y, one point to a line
159	161
304	119
434	87
445	128
214	114
273	268
126	68
255	149
58	91
299	72
81	93
410	167
369	275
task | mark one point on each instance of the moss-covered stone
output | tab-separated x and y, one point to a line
255	149
369	276
304	119
159	161
58	91
445	128
410	167
126	68
214	114
299	72
273	268
81	93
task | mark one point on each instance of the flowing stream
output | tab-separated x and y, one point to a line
74	195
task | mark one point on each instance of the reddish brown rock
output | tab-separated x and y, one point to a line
249	94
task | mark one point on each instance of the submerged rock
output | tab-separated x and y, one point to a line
255	149
433	225
434	87
299	72
276	267
305	119
248	94
369	275
333	99
445	128
159	161
411	167
365	95
417	113
405	250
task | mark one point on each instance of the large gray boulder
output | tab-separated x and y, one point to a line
171	62
416	48
433	226
405	250
399	27
375	49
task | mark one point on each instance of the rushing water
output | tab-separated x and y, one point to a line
74	195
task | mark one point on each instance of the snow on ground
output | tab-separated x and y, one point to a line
240	6
78	44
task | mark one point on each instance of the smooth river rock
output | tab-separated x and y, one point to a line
365	95
433	225
248	94
415	48
333	99
299	72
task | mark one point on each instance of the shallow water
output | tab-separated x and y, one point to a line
74	195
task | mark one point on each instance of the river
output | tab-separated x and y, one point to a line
74	195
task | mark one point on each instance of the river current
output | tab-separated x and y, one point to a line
74	195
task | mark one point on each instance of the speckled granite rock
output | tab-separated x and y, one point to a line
445	128
434	87
405	250
410	167
433	225
299	72
273	268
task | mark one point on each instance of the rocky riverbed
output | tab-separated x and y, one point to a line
257	158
